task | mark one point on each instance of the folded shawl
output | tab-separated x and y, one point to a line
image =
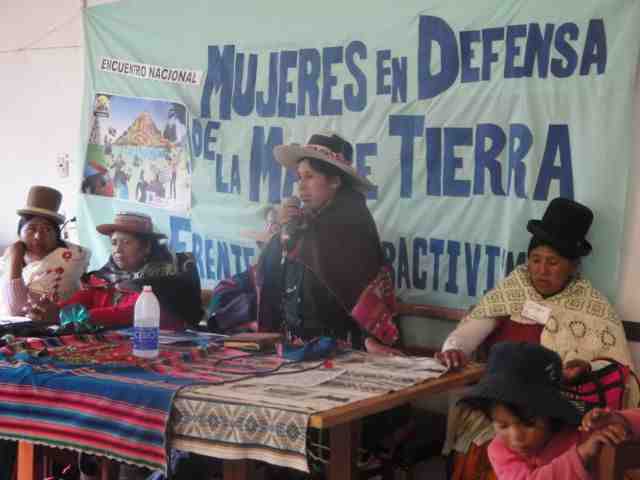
341	246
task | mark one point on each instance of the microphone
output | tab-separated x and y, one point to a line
67	221
290	229
65	233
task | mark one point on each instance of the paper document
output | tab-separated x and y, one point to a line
11	320
307	379
418	364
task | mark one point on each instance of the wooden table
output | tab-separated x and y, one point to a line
343	424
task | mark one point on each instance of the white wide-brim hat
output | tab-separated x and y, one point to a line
327	147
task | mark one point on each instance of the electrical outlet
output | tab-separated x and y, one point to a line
62	165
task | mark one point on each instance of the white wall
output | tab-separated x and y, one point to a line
40	101
628	301
40	92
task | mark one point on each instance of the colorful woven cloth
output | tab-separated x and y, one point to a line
89	393
266	419
215	425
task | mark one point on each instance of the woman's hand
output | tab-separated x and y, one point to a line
453	359
602	417
613	434
289	213
373	346
17	250
574	369
42	310
290	217
16	253
595	418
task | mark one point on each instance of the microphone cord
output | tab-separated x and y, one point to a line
63	227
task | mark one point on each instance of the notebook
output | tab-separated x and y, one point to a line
256	341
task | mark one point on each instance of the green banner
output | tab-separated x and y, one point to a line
469	117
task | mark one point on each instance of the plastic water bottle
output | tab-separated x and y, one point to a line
146	324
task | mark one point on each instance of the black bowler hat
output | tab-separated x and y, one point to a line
564	227
526	375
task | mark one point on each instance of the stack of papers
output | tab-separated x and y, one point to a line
11	320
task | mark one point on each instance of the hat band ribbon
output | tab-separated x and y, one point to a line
338	157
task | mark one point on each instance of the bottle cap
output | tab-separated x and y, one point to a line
147	288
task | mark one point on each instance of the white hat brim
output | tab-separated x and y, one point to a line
290	155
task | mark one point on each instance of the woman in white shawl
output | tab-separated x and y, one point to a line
40	264
545	301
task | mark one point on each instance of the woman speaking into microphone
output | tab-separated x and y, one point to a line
322	276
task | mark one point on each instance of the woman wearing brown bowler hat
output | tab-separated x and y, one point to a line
137	257
40	264
544	301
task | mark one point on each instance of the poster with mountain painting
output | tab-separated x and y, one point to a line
138	151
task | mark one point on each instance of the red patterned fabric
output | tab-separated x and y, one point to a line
99	298
111	307
508	330
89	393
376	308
602	388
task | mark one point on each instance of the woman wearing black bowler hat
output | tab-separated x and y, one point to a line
544	301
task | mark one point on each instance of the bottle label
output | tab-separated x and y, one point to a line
145	338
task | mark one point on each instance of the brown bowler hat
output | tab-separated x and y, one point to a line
43	202
130	222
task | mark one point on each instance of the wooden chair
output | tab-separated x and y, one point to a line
427	312
431	311
613	462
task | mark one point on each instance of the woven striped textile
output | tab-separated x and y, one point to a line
267	418
89	393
